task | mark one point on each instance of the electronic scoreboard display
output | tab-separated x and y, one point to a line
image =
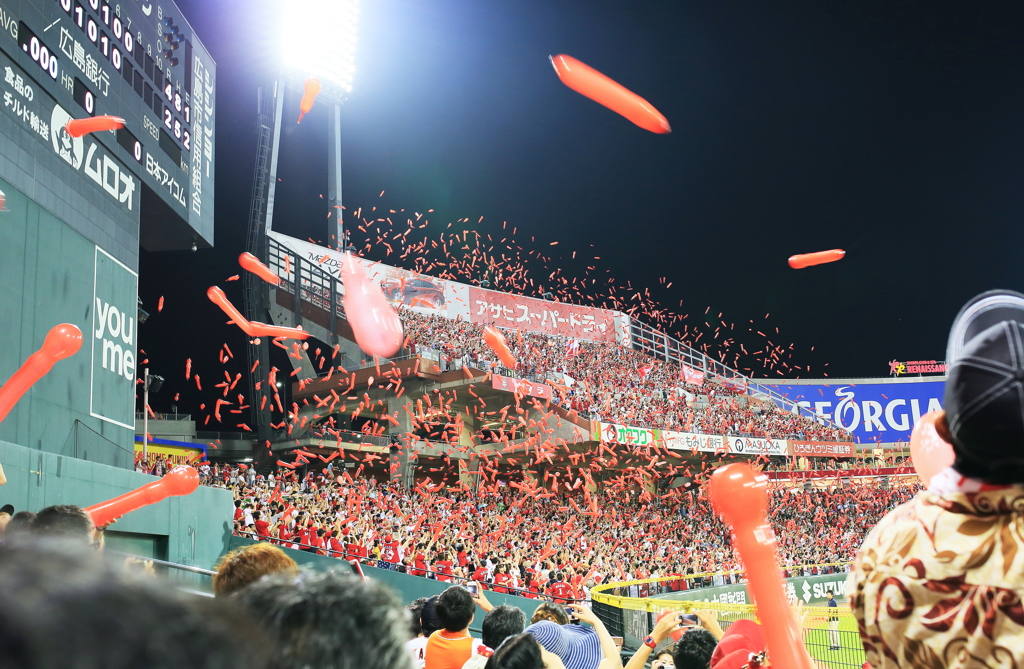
136	59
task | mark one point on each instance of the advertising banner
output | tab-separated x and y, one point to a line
809	589
529	388
114	338
624	434
817	449
505	310
684	441
755	446
429	295
870	411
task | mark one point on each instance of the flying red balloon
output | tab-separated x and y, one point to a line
377	327
807	259
496	341
253	329
182	480
62	341
252	264
311	90
587	81
77	127
928	451
740	497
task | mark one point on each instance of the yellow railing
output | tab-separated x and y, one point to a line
725	611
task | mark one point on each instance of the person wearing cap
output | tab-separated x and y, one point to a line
938	582
741	646
578	647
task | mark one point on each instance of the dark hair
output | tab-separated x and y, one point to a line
248	564
455	608
500	623
518	652
414	609
664	651
694	649
19	526
829	593
65	521
330	619
550	611
52	590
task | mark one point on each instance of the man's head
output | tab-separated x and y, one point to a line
330	619
249	564
984	396
6	511
429	622
455	608
64	521
414	610
61	606
500	623
694	649
829	594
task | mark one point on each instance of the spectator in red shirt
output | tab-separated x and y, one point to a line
262	526
559	590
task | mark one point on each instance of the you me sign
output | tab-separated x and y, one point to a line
114	340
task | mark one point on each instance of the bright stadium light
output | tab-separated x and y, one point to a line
320	41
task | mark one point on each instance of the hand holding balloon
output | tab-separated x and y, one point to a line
377	327
741	499
62	341
496	341
929	452
182	480
77	127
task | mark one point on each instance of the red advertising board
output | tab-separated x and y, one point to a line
504	310
541	390
822	449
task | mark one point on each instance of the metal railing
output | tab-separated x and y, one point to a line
195	580
139	415
85	443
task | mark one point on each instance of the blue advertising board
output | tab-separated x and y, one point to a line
871	412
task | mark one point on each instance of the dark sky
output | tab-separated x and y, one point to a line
893	130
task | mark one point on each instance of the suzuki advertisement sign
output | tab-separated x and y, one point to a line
114	338
871	412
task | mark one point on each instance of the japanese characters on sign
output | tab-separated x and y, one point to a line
505	310
528	388
827	449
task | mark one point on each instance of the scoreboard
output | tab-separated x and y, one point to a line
136	59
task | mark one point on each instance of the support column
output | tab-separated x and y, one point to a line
335	220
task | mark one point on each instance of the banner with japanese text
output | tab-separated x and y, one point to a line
505	310
524	387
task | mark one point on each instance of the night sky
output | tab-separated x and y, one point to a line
893	130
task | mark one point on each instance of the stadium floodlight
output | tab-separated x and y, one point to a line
320	41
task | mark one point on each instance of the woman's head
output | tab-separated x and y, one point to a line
518	652
550	611
663	659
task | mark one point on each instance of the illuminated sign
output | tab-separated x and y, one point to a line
897	368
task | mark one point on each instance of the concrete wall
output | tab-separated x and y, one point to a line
47	278
196	528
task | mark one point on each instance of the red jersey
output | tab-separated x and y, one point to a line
444	570
389	552
419	562
357	551
337	548
262	529
561	592
462	558
480	575
500	581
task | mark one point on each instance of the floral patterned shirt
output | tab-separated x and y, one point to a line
938	582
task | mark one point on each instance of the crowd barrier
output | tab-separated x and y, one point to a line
830	634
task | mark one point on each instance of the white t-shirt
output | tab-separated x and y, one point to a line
418	651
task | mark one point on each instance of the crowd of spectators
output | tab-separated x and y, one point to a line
538	544
614	383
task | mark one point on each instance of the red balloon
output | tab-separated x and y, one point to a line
496	341
255	328
252	264
821	257
377	327
740	497
62	341
77	127
182	480
928	451
311	90
587	81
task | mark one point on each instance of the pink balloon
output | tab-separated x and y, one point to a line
377	327
929	453
182	480
62	341
740	497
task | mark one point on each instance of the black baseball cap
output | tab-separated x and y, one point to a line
8	509
984	397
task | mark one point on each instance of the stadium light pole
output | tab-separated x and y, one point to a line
319	40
